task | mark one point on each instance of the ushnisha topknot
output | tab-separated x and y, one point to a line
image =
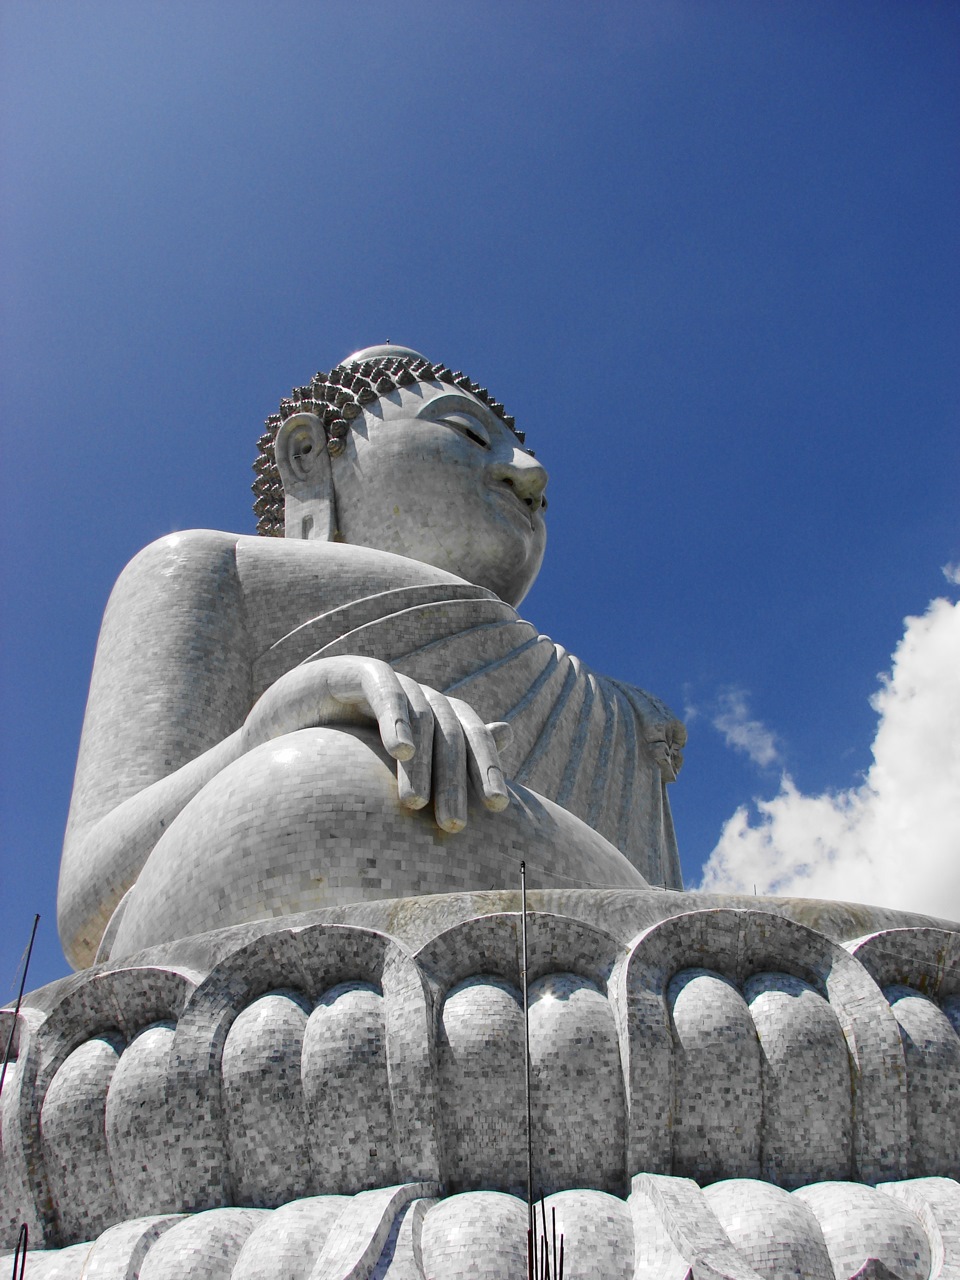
337	398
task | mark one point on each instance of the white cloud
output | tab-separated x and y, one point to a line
952	573
690	709
893	841
750	736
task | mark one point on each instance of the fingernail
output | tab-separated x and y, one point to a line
404	735
497	797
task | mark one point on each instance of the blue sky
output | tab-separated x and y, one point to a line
705	252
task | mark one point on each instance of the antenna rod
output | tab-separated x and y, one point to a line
22	1239
16	1012
526	1062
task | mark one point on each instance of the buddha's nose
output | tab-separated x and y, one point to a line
524	475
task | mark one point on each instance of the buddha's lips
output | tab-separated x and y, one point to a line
515	505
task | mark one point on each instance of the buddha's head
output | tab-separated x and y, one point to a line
390	451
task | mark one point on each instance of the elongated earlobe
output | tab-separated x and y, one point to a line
309	508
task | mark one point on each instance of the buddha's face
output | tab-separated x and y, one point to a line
431	473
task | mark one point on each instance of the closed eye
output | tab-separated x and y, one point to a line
468	426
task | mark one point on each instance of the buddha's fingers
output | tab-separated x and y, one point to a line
413	776
449	784
483	758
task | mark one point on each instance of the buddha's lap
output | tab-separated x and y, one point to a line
312	819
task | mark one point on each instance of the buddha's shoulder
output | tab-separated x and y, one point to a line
175	563
206	547
211	562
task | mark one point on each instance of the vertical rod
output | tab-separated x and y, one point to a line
526	1063
16	1012
22	1239
546	1240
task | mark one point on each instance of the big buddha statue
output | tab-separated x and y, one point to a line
252	694
316	1033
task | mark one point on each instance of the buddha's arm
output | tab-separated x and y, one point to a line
169	692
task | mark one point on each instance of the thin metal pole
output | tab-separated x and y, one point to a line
526	1064
16	1012
22	1239
546	1240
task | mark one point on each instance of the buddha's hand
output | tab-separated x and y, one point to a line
666	741
437	742
663	733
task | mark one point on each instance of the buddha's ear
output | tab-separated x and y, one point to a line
309	510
